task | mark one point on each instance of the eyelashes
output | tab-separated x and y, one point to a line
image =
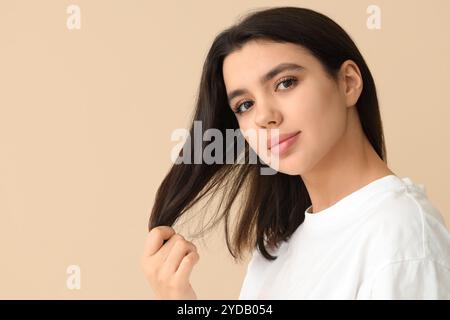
292	80
283	80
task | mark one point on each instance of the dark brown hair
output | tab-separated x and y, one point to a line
273	205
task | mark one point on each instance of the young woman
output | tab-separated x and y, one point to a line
334	222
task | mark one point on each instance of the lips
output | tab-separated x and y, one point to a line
282	137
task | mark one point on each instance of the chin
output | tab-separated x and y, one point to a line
289	164
289	167
291	172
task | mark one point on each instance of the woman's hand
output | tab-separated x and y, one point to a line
167	266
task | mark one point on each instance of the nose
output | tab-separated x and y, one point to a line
267	116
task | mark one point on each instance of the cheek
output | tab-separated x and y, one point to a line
245	130
254	137
323	118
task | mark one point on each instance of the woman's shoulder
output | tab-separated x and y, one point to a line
408	247
406	225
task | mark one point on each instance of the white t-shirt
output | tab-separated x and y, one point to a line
383	241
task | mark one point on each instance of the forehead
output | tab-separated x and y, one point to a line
258	56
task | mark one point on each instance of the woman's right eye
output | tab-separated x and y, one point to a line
237	110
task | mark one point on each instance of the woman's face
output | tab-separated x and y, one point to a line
296	99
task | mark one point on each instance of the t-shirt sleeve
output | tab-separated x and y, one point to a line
418	279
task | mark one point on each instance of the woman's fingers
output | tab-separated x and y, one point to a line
178	250
186	265
167	247
167	266
155	239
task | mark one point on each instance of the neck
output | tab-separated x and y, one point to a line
350	165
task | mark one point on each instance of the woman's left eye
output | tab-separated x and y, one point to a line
287	82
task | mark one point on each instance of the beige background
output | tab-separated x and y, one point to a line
86	117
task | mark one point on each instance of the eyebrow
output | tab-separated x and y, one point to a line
269	75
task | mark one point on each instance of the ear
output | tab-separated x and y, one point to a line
351	82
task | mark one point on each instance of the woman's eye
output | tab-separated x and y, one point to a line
287	82
238	108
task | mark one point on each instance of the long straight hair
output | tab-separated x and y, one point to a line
273	206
